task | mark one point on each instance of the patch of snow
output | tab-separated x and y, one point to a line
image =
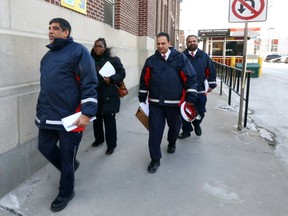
222	192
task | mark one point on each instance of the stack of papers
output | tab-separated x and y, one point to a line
145	108
107	70
68	122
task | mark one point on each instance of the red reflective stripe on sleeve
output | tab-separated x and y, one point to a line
78	108
184	80
207	72
183	77
147	77
77	77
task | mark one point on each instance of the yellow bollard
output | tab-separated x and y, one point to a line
233	60
260	62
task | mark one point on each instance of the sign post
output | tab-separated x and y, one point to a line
246	11
243	77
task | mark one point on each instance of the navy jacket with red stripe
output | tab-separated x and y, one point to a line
68	84
205	69
168	82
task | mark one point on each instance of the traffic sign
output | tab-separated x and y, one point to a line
247	10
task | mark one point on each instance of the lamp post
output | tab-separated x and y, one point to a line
269	29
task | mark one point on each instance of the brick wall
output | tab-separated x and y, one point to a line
138	17
95	8
147	12
126	15
56	2
167	19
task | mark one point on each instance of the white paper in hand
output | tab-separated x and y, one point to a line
107	70
69	120
145	108
206	84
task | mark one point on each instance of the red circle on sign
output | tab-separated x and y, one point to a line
262	5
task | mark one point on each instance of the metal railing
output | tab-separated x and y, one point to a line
232	78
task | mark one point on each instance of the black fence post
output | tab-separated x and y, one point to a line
230	85
225	74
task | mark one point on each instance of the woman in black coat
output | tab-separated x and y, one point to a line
108	97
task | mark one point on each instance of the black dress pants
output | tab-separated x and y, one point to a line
63	156
110	133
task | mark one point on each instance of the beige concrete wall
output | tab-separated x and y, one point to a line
23	36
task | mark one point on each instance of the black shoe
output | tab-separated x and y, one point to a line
76	165
171	148
153	166
184	135
97	143
198	130
109	151
61	202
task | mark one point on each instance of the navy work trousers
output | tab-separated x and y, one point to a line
62	156
201	108
157	116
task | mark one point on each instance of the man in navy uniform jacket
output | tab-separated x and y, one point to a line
67	85
206	78
167	79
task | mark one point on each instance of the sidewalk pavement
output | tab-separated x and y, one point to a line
224	172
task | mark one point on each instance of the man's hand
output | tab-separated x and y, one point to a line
209	90
82	121
190	104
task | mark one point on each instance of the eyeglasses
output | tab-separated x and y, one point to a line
98	46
